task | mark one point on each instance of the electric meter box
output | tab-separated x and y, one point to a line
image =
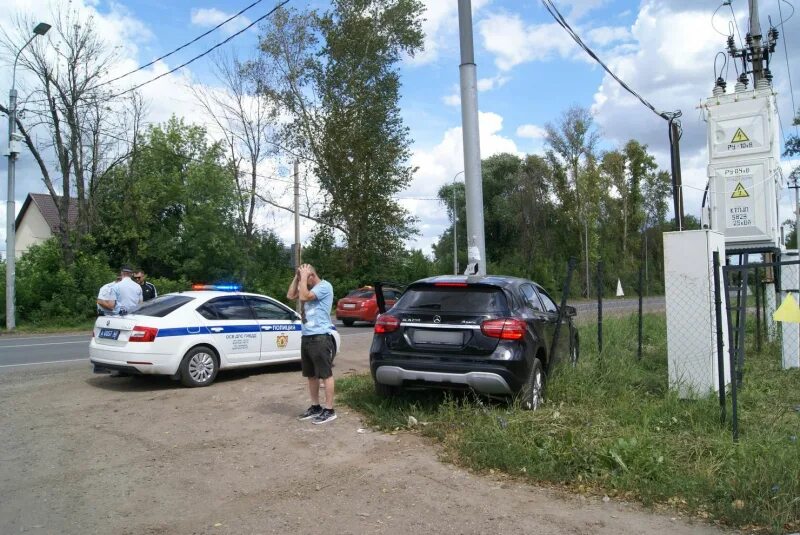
744	177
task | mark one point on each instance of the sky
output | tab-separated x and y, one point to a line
529	73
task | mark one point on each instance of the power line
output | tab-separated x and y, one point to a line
168	54
786	55
559	18
259	19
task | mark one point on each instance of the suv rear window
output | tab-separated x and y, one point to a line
161	306
454	299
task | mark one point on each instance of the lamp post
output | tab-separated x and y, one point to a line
455	227
13	150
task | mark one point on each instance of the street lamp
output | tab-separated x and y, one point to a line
13	151
455	226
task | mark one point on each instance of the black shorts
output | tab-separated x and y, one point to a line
316	355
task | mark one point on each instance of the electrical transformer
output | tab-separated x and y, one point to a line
744	167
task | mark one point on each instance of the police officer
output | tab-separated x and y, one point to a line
148	288
128	293
106	298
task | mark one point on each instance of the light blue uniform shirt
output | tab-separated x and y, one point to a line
318	311
129	295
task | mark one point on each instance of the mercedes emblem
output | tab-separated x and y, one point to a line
437	319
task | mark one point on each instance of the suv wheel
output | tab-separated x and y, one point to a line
385	391
532	393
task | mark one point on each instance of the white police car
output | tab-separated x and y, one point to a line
192	335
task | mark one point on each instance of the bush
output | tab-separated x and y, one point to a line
47	291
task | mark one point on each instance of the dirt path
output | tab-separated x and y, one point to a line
92	454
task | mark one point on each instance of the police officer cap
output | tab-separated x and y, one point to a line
126	269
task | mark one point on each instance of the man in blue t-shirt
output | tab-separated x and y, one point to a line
317	346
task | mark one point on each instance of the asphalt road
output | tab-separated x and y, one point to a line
18	351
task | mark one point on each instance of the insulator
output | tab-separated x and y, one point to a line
749	39
731	45
721	83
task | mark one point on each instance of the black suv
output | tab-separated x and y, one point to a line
493	334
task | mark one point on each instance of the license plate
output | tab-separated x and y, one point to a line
438	337
111	334
349	306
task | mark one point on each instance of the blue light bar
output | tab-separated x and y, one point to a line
231	287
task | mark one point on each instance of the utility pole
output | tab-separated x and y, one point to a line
455	231
796	187
473	181
13	151
755	34
296	252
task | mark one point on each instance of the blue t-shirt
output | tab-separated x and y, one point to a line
318	311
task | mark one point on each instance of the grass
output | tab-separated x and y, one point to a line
53	327
611	426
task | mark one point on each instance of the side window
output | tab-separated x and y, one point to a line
530	297
549	304
231	307
267	310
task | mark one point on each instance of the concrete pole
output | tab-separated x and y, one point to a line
755	33
297	256
473	181
455	231
11	323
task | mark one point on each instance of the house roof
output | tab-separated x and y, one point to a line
44	202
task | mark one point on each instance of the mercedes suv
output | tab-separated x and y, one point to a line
497	335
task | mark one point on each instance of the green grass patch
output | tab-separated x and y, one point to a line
611	426
53	327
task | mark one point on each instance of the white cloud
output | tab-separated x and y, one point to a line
531	131
605	35
209	17
513	42
439	165
440	26
453	99
579	8
484	84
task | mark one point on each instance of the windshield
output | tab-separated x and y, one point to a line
161	306
448	299
364	294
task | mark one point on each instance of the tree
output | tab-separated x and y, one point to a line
80	120
172	208
247	119
342	96
572	144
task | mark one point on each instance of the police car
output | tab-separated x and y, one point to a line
192	335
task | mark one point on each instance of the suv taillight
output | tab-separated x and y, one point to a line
504	328
143	334
386	324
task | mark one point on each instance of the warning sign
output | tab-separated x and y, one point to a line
739	136
739	192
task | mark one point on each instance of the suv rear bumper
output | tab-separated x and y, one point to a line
484	382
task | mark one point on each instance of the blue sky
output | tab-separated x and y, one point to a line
529	73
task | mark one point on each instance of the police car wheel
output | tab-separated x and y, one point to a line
199	367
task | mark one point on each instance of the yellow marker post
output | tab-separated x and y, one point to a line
789	311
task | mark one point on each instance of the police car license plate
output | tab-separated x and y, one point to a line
111	334
348	305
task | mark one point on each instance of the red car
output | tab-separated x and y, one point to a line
361	305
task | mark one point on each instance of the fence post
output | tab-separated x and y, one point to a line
599	308
732	360
641	313
720	345
742	322
758	310
570	268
